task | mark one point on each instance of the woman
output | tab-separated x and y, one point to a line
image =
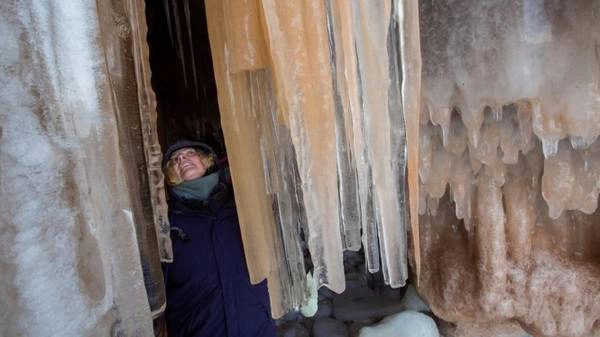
208	289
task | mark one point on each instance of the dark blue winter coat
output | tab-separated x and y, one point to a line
209	293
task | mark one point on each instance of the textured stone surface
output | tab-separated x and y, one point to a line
363	304
411	300
292	329
508	329
327	327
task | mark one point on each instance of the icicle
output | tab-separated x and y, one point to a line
188	23
491	240
440	168
509	136
520	201
461	186
179	48
167	7
306	100
455	140
524	115
356	126
373	64
243	97
410	56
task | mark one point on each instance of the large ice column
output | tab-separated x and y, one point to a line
138	63
316	135
509	164
70	255
128	72
297	34
380	121
262	165
410	59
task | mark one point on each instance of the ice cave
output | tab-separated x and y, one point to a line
401	167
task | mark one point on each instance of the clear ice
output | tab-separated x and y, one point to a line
320	94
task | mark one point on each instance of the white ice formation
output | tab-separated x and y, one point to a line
501	81
508	166
403	324
73	199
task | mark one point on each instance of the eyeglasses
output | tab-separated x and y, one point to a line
189	152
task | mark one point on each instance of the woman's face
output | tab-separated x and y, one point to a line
188	163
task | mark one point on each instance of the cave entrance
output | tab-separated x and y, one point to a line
182	73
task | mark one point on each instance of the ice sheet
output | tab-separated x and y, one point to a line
70	250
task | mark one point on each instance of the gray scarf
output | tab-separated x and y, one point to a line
198	189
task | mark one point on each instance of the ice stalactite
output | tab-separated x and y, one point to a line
78	241
320	87
508	162
179	42
305	99
167	8
188	25
246	101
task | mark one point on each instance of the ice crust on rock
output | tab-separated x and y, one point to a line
508	161
72	229
492	90
504	61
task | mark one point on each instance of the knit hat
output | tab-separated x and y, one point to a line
186	143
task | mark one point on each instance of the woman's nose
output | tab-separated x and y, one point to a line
180	157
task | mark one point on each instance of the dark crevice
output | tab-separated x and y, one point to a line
182	73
